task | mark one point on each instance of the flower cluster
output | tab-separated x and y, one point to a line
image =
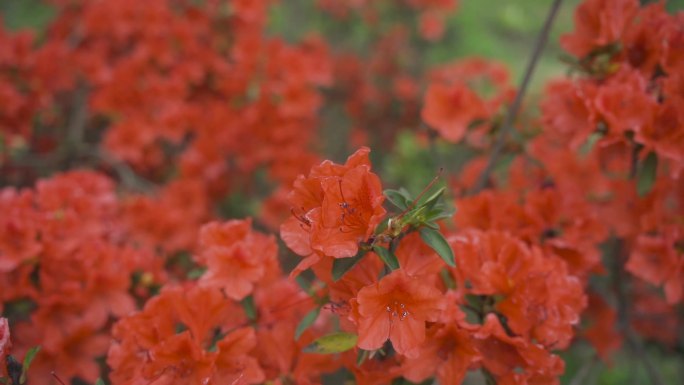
168	215
66	266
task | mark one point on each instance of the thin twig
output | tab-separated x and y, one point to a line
127	175
582	374
78	118
621	292
515	106
637	346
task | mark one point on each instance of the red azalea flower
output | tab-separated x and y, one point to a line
396	308
236	257
334	209
5	344
450	109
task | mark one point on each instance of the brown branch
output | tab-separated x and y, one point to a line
621	292
514	108
127	175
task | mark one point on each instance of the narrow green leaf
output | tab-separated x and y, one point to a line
304	284
436	241
361	356
589	144
99	382
397	198
394	243
343	265
332	343
646	174
307	321
437	213
432	225
387	256
382	226
431	200
196	273
28	358
249	307
447	279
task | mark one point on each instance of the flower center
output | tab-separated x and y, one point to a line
397	309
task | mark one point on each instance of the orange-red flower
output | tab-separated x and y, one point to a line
334	209
449	350
538	297
181	337
236	257
504	356
396	308
449	109
5	344
599	23
602	331
659	259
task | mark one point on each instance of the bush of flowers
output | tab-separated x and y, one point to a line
169	213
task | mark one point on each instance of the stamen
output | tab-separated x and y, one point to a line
301	218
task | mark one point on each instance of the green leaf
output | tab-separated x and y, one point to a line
398	198
361	356
447	279
4	380
591	141
196	273
303	283
99	382
646	175
432	225
438	212
343	265
382	226
387	256
307	321
28	358
436	241
249	307
430	201
332	343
